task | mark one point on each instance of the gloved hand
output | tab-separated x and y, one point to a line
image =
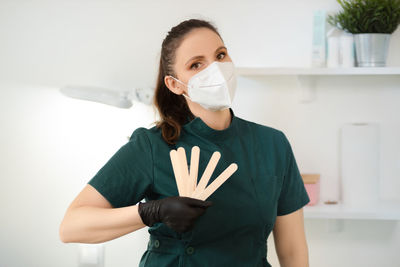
178	213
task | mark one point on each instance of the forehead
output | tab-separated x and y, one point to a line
198	42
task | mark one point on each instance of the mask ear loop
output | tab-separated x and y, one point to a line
181	83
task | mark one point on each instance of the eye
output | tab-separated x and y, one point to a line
191	66
196	63
222	53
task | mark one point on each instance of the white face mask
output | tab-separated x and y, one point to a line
214	87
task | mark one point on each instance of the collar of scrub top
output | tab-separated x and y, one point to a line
198	126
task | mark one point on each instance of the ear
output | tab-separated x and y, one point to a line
173	85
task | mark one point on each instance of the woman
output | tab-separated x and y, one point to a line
231	227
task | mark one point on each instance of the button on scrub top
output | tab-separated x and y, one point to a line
234	230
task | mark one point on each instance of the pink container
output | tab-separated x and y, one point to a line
312	185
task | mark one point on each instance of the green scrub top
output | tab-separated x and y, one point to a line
234	230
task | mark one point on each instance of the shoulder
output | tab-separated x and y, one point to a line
142	142
149	135
139	133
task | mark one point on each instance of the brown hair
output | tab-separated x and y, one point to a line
173	108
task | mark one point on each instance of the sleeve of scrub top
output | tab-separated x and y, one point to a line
293	195
128	174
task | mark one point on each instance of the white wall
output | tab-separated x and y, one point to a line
52	145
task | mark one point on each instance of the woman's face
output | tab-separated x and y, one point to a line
199	48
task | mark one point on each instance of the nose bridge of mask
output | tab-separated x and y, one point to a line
215	74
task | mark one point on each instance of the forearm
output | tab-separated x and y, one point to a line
299	259
87	224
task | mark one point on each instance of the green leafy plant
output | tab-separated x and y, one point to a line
367	16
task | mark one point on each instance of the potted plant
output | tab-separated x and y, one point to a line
371	22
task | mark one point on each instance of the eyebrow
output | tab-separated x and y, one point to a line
198	57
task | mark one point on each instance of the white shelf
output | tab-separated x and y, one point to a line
263	71
305	76
383	210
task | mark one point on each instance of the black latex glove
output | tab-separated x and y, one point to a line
178	213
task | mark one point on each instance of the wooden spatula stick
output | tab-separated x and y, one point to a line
194	169
207	173
218	182
184	171
177	170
